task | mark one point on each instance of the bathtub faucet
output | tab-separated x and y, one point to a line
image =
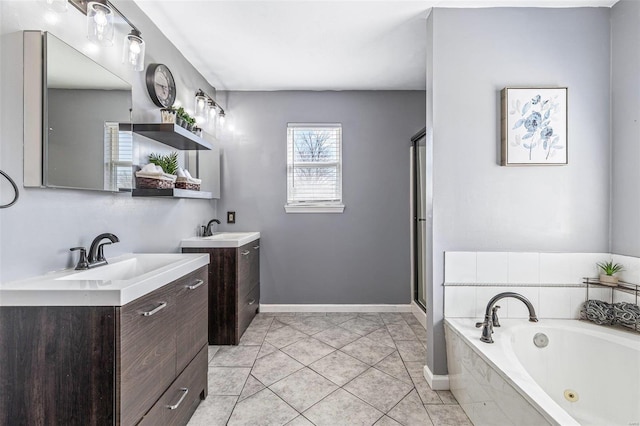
491	317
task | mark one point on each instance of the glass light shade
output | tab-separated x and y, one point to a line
133	51
222	118
100	27
200	110
211	110
59	6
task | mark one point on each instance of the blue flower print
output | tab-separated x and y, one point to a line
533	122
535	100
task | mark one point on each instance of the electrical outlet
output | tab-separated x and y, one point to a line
231	217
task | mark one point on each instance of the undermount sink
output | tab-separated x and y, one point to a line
221	239
125	269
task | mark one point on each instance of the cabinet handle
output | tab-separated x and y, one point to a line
245	253
252	301
184	391
256	247
160	307
196	284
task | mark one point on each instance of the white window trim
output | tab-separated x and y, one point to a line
311	207
314	208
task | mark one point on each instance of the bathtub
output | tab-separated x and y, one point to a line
586	375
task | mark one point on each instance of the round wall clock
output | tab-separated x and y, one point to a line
161	85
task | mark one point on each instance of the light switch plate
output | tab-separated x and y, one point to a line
231	217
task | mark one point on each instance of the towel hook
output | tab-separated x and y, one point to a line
15	190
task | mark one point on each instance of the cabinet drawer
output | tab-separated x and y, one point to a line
192	295
180	401
147	349
248	266
247	309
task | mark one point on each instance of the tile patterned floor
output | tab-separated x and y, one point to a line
334	369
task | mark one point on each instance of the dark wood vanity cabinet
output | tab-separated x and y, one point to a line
141	363
234	290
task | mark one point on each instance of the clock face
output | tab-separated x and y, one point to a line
161	86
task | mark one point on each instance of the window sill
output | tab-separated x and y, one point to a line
317	208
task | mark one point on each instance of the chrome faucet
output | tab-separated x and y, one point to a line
96	251
207	229
491	315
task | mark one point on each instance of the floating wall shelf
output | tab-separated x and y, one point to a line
172	193
169	134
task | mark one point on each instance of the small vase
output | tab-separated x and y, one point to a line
609	280
190	127
168	115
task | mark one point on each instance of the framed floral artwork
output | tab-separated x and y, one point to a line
534	126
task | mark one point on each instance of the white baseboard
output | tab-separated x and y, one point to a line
335	308
436	382
420	315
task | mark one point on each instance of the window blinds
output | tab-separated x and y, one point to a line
314	163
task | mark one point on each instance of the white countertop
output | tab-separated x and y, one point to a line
221	240
134	276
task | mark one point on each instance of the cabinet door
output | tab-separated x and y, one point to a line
191	316
248	267
247	309
147	352
179	402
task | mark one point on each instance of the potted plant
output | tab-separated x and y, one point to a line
607	270
182	117
191	123
169	162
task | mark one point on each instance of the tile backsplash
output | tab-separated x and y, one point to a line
551	281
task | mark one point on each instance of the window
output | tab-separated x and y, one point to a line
118	153
314	168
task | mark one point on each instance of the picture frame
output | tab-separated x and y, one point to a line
534	124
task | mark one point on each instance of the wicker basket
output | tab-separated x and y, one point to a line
187	185
147	183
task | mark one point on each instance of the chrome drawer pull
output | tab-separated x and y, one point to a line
160	307
256	247
195	285
252	301
184	391
245	253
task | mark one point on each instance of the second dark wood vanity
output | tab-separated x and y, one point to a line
234	290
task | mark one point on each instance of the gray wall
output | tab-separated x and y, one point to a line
625	128
479	205
359	256
36	233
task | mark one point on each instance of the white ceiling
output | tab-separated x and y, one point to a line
311	45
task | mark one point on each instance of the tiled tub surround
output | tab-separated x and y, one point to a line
326	369
492	391
551	281
514	382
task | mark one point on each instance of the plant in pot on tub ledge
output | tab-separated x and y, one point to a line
607	271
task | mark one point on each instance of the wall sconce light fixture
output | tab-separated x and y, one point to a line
101	29
207	108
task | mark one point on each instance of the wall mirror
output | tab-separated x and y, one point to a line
84	147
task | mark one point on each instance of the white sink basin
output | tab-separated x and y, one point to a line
126	269
221	240
123	280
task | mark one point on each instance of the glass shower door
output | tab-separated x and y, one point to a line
419	218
